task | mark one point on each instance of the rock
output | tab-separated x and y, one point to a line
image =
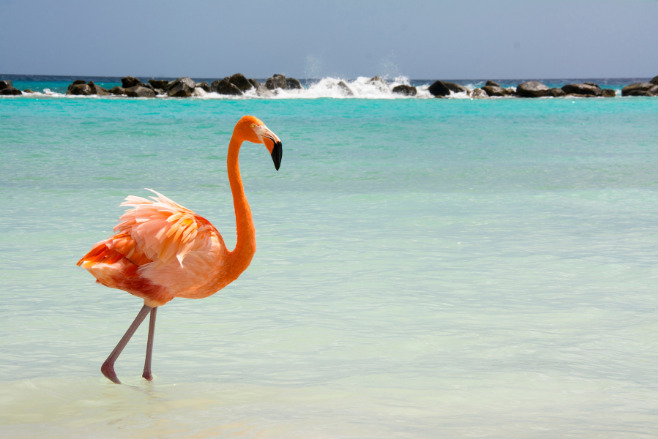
379	83
79	88
654	81
8	89
241	82
586	89
159	83
345	89
28	91
255	83
293	84
407	90
609	93
438	88
261	90
492	84
276	81
181	88
280	81
495	90
225	87
118	91
456	88
139	91
129	82
640	89
204	86
443	88
532	89
97	89
478	93
557	92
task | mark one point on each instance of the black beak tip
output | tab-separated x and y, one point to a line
277	153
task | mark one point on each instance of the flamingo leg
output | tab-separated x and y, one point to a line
108	366
149	346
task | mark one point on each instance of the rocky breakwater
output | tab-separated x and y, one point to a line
235	85
528	89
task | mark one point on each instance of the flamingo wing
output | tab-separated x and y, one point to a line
163	229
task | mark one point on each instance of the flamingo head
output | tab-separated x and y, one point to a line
254	130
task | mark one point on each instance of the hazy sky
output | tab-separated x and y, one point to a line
420	39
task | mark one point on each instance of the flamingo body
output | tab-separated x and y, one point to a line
162	250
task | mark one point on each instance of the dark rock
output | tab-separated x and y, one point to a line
276	81
439	88
280	81
79	89
495	90
97	89
609	93
444	88
640	89
28	91
241	82
130	81
492	84
407	90
181	88
10	91
654	81
456	88
118	91
159	83
293	84
533	89
79	82
478	93
139	91
254	83
557	92
225	87
586	89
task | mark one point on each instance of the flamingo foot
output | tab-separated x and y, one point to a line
107	369
147	376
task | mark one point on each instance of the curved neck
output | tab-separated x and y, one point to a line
245	246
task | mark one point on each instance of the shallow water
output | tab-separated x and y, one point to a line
425	268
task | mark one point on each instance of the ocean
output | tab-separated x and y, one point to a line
426	268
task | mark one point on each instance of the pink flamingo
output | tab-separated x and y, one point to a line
162	250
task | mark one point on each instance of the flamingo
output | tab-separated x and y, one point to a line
161	250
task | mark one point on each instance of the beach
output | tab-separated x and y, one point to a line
425	267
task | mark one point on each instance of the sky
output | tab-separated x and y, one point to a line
419	39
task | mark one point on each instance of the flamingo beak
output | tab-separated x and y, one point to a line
272	143
277	153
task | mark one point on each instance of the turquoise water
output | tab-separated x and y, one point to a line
425	268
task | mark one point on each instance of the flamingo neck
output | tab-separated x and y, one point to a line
245	246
